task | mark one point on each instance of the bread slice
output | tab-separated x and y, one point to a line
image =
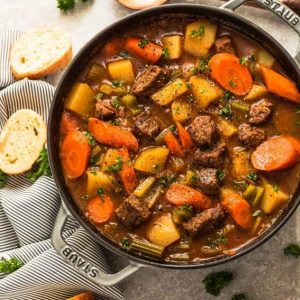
84	296
21	141
40	52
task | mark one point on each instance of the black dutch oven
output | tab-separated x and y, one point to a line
221	15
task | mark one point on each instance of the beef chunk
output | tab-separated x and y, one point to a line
250	136
208	181
224	45
133	212
152	79
204	222
104	110
202	130
260	111
147	126
213	158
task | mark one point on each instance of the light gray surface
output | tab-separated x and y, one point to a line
263	274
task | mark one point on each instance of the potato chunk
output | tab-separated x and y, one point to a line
173	46
204	91
80	100
121	70
151	160
256	92
162	231
199	37
241	162
265	58
227	128
98	179
170	92
181	111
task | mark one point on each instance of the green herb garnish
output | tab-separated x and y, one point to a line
3	179
94	159
275	188
66	4
42	167
215	282
124	54
117	83
8	266
125	243
116	168
240	185
115	122
227	95
226	111
187	208
165	53
203	65
142	43
116	102
100	192
166	180
243	60
292	250
232	83
220	174
91	139
198	32
252	176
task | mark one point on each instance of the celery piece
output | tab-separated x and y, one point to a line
95	74
250	192
256	224
240	106
259	193
151	199
178	257
106	89
147	248
144	187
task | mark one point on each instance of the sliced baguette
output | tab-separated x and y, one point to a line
83	296
40	52
21	141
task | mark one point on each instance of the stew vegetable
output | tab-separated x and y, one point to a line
180	140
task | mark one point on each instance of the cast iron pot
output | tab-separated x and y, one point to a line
222	15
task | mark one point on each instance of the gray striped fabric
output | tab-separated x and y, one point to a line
27	215
7	37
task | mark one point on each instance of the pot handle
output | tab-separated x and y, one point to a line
81	264
277	8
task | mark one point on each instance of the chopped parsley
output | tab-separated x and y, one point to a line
125	243
226	111
142	43
227	95
275	188
116	168
3	179
215	282
115	122
243	60
292	250
239	297
232	83
203	65
220	239
220	174
257	213
98	96
124	54
116	102
84	197
240	185
117	83
252	176
165	53
66	4
187	208
91	139
198	32
94	159
8	266
100	191
42	167
166	180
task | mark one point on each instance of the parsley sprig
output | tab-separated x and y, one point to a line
42	167
8	266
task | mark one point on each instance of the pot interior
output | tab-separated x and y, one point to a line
188	11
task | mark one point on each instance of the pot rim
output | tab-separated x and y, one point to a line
54	159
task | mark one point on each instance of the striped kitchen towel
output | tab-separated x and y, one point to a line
27	215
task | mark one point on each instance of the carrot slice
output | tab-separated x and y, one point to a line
127	173
111	135
276	154
112	47
100	208
230	74
173	144
184	136
69	122
280	85
239	209
145	49
75	152
179	194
